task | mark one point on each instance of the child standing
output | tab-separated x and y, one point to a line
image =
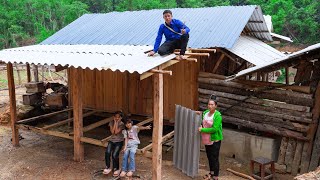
115	144
131	145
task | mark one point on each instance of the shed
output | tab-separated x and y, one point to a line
108	69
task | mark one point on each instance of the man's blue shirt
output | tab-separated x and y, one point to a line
176	25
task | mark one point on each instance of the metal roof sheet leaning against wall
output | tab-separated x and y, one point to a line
113	57
210	27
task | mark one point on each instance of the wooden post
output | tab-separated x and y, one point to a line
70	114
35	73
215	68
13	108
28	72
287	75
158	126
313	152
77	114
18	73
42	72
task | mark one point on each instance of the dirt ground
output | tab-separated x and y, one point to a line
47	157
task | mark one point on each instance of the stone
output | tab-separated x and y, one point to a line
280	168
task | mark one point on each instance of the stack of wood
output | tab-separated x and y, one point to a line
33	94
276	111
314	175
5	116
280	110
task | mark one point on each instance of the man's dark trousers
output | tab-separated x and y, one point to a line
169	46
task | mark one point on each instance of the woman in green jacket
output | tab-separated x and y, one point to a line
211	131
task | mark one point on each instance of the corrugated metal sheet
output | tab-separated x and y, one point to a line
315	47
259	30
255	51
122	58
186	152
210	27
268	20
281	37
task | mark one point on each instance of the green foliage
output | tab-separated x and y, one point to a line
21	20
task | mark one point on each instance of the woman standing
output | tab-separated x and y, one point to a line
211	132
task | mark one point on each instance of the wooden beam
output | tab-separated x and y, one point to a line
70	115
60	134
60	123
258	32
167	136
255	22
95	125
194	54
303	89
157	126
215	68
13	108
104	141
164	138
162	66
77	113
42	116
229	56
161	71
314	147
188	59
145	122
204	50
28	72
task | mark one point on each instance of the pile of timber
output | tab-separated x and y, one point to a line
277	111
313	175
286	111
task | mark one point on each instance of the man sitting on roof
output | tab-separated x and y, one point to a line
176	33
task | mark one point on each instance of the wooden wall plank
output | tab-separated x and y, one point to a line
297	158
290	153
283	149
107	90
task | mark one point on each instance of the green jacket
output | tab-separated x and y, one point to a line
216	129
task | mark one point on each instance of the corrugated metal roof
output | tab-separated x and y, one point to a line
210	27
186	152
258	30
255	51
120	57
315	47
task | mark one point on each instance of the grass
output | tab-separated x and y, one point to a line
23	75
